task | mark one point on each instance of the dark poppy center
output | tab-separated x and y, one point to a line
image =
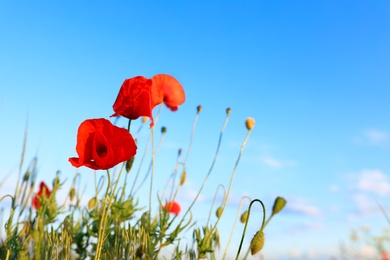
101	151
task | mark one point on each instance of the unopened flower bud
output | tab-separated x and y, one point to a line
257	242
183	177
244	217
228	110
249	123
129	164
72	193
163	129
278	205
219	212
179	152
92	203
26	176
198	109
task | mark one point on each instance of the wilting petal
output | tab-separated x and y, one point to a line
174	94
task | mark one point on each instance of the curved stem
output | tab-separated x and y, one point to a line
215	197
234	225
246	223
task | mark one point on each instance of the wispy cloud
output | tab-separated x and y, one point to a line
374	181
373	137
365	187
304	227
303	207
365	205
276	163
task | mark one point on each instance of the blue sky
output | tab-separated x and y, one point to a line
314	75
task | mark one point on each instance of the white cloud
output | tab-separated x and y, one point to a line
373	137
376	136
365	205
303	207
304	227
188	193
374	181
276	163
334	188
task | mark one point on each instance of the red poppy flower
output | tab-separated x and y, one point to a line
137	98
43	192
101	145
173	91
173	207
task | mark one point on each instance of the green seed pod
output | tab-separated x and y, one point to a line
257	242
163	129
129	164
183	177
244	217
72	193
219	212
92	203
278	205
26	176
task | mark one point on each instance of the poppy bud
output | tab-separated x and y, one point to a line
228	110
179	152
244	217
250	123
129	164
72	193
183	177
278	205
26	176
198	109
163	130
257	242
219	212
92	203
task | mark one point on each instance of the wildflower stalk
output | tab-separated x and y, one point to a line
211	167
150	165
139	170
232	178
173	175
103	220
152	173
199	108
215	197
234	226
21	164
246	223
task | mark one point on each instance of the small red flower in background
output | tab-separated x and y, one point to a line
384	255
173	207
43	192
101	145
136	98
173	91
